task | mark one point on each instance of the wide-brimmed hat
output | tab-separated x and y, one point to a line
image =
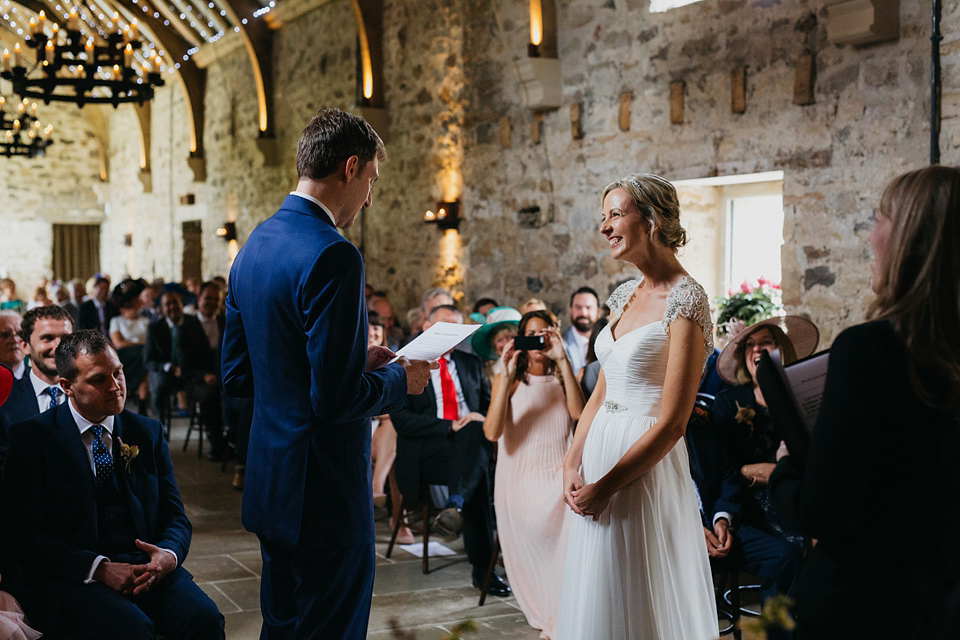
6	383
496	318
800	332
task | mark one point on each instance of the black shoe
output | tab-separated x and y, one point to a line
448	523
497	586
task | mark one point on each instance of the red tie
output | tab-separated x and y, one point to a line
448	392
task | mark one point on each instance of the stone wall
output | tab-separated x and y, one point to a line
452	85
62	187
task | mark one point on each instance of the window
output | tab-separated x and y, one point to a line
735	226
659	6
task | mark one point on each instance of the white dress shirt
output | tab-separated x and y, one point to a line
211	328
576	345
20	369
40	388
462	408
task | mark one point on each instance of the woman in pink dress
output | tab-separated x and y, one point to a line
535	401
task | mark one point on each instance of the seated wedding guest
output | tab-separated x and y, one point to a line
719	489
433	298
97	312
93	509
489	341
532	304
11	352
128	333
9	300
13	624
481	308
39	389
40	298
393	334
384	446
178	357
150	301
887	438
533	406
440	441
415	320
590	372
743	422
64	300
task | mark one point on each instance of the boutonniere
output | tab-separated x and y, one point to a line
129	453
745	415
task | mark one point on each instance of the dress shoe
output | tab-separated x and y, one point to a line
497	586
238	479
448	523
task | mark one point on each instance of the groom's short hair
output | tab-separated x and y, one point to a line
331	137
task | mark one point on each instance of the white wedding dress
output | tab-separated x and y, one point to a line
641	572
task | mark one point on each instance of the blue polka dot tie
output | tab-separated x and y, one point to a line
101	457
54	393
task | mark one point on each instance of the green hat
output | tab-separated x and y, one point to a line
496	318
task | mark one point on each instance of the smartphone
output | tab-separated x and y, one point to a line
528	343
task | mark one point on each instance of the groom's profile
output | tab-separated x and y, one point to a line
296	297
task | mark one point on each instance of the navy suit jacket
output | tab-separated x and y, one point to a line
88	318
716	480
49	497
417	421
21	404
296	341
196	356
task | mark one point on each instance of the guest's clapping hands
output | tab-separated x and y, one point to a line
592	499
418	374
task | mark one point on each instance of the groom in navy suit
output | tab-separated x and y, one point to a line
100	531
296	341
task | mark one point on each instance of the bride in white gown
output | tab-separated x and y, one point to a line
636	565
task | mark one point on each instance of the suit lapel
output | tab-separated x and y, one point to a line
467	383
125	479
76	452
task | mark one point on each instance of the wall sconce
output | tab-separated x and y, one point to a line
540	70
228	231
446	217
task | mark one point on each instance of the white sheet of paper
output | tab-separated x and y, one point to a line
434	549
437	340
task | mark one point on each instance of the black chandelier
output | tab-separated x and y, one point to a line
22	134
95	69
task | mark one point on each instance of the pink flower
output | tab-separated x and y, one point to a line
776	286
761	281
745	287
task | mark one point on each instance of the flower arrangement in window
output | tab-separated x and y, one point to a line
751	303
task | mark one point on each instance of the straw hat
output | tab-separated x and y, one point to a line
496	318
799	332
6	383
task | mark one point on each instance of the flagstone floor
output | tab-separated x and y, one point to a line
225	561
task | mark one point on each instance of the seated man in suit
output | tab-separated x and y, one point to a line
440	441
39	389
97	312
776	561
178	357
94	513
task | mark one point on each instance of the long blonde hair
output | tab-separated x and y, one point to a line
919	288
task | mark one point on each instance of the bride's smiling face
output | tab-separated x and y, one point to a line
622	225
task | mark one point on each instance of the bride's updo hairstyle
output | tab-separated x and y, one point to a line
657	201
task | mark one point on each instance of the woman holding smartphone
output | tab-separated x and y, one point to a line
534	403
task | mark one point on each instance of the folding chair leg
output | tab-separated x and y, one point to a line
493	563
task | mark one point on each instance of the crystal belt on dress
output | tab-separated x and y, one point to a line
613	407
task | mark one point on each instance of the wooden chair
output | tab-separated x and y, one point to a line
495	559
726	589
196	421
424	505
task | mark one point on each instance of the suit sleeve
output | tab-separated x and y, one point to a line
417	419
334	319
26	511
153	359
175	530
234	357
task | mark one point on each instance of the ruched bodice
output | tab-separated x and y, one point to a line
634	366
